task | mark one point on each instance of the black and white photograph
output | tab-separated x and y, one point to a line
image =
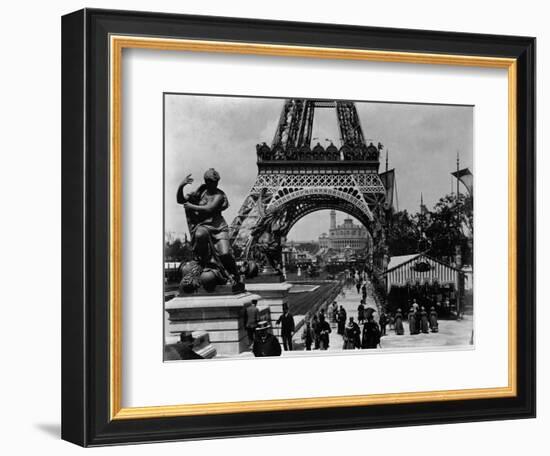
254	229
310	227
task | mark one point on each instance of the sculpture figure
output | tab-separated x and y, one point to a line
372	152
213	262
267	236
318	152
263	151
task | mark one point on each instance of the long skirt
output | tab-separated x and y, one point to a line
399	327
323	342
433	324
341	327
348	344
412	325
424	325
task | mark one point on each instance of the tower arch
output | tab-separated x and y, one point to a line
295	179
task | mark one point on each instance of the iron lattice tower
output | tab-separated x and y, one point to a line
300	179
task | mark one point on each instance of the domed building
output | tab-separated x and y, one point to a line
347	236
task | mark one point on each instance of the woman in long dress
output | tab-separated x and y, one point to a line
398	322
412	322
342	315
324	331
352	335
424	325
316	330
434	325
371	333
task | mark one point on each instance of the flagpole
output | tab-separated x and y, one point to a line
458	296
421	247
457	191
457	174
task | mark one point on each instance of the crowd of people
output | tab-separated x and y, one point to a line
420	320
363	333
353	336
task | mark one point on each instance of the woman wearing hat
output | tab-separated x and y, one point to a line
352	335
424	324
323	329
434	325
412	322
361	312
342	317
308	336
371	333
398	322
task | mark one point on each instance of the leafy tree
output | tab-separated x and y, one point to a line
449	226
402	235
436	232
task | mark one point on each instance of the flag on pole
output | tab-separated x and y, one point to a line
467	178
388	180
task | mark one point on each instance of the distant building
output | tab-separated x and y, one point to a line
345	237
324	242
293	254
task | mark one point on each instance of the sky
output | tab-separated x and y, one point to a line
222	132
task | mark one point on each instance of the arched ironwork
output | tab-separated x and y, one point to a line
298	178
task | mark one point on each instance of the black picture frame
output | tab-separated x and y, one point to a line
85	227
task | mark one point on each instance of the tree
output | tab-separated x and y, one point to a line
402	235
436	232
449	226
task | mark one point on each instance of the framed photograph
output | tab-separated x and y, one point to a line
270	227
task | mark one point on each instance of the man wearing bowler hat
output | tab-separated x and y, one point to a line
265	343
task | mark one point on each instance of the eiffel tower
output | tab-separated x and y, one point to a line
300	179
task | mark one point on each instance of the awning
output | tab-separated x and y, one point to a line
419	268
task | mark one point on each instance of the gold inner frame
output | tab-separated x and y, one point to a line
117	44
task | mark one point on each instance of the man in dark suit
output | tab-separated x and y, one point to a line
252	317
286	320
265	344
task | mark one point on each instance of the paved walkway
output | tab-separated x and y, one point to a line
451	332
349	299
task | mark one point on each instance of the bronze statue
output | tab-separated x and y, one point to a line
267	236
214	263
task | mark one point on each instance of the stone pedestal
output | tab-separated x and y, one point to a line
221	316
272	295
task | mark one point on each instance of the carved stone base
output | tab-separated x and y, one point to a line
222	316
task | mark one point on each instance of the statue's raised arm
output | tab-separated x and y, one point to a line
180	197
